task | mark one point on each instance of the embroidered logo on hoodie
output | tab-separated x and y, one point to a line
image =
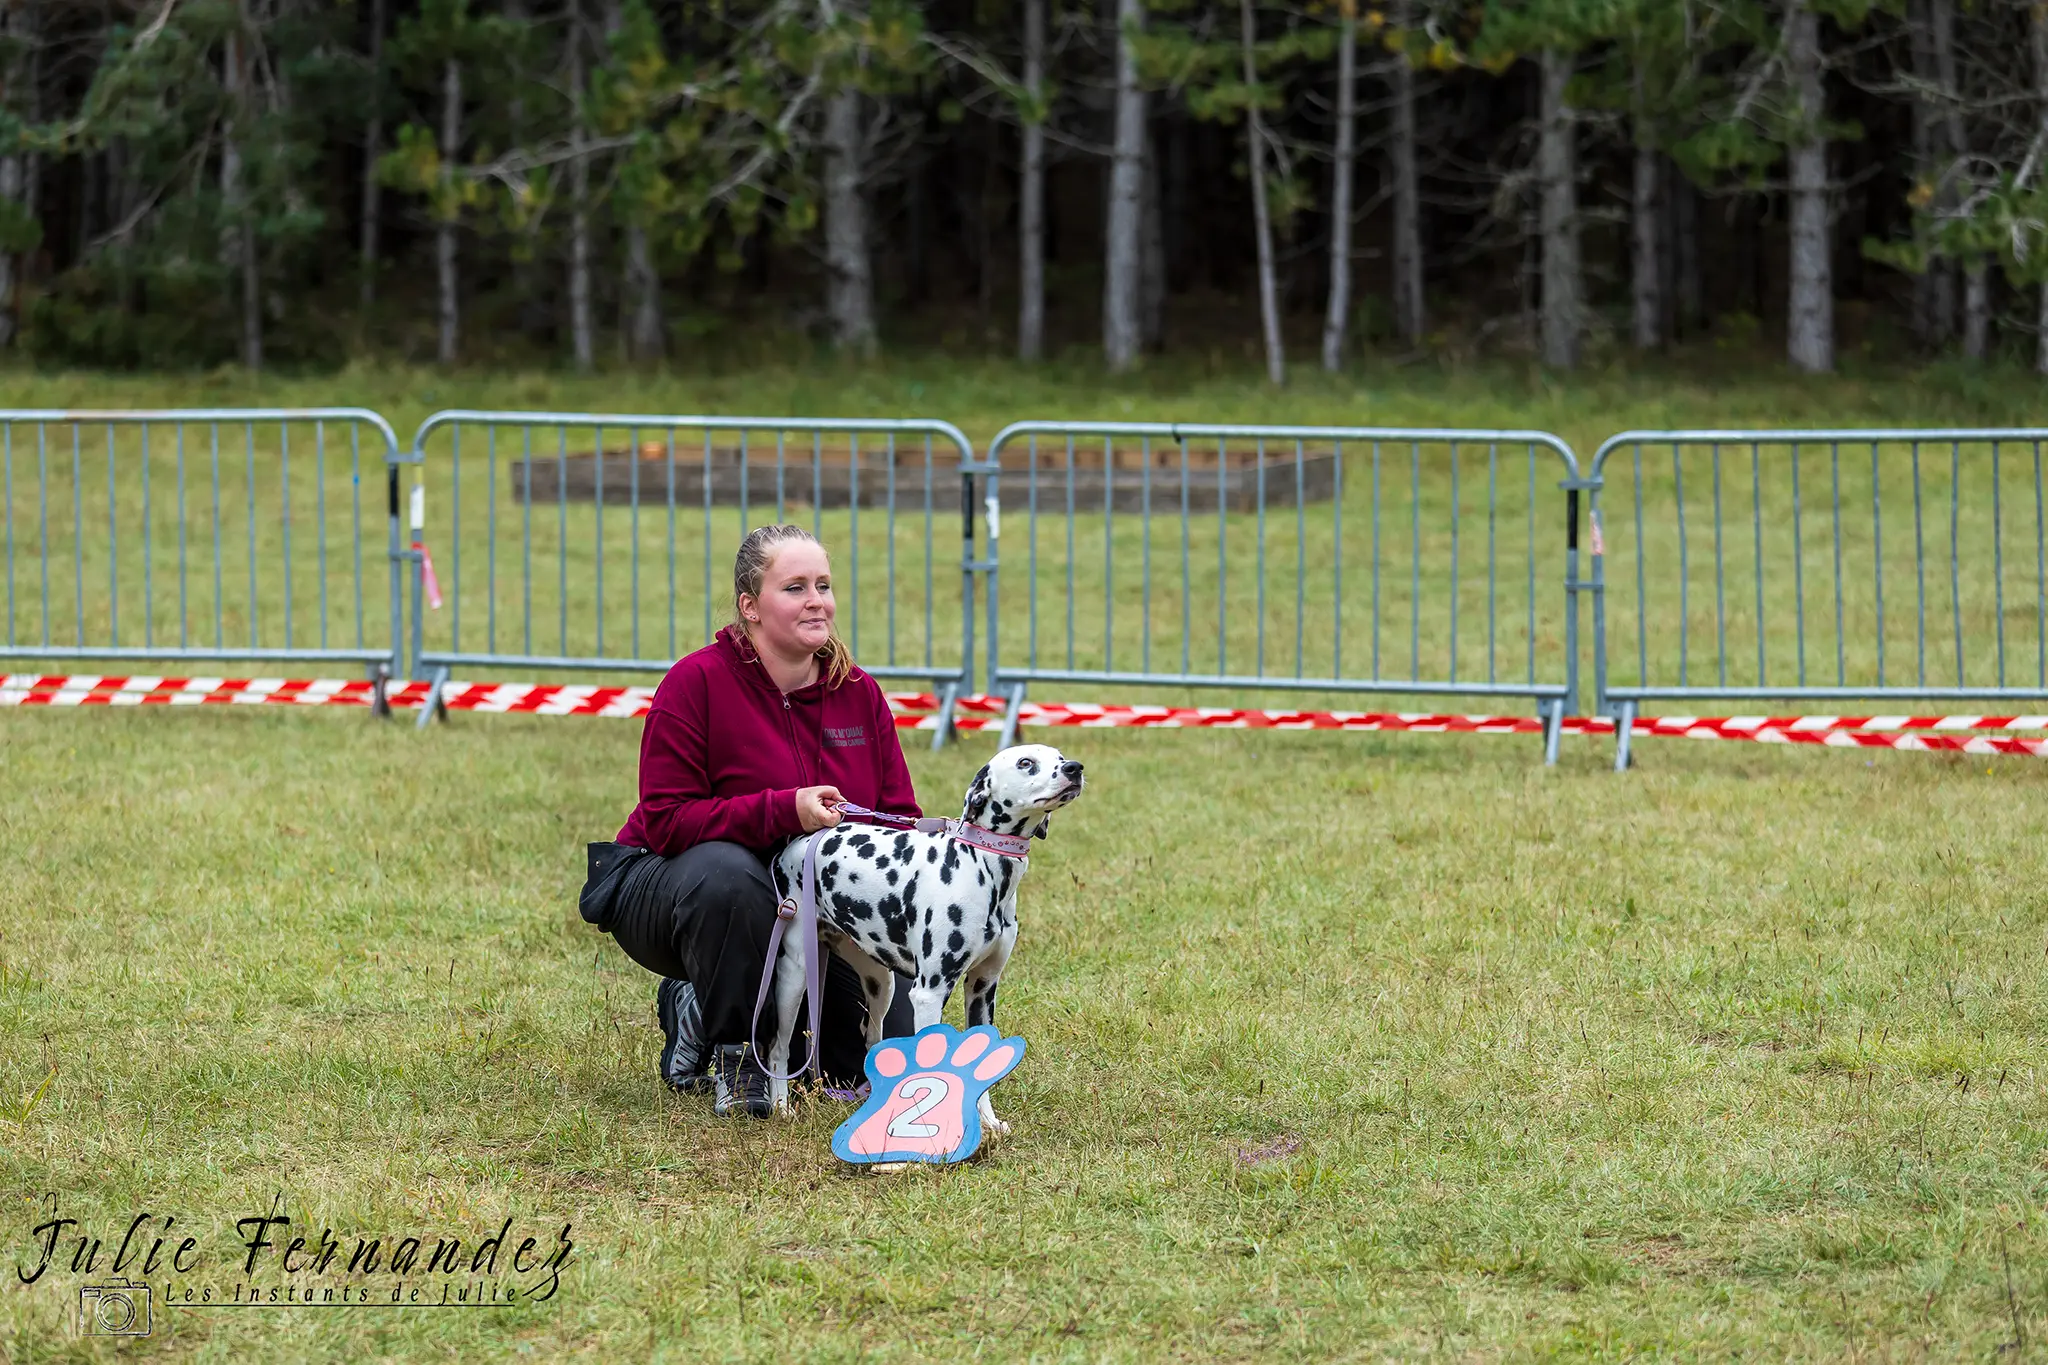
846	736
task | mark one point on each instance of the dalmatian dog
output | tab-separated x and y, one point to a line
935	907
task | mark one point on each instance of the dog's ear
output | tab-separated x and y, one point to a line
1043	826
978	794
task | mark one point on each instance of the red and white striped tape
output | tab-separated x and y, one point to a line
33	689
918	711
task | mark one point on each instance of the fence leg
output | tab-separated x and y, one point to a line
434	708
380	691
1553	727
1012	711
949	697
1623	724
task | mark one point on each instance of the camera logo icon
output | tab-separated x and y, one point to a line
118	1308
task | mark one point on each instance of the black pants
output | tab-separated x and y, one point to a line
705	916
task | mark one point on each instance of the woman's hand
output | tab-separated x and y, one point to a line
817	807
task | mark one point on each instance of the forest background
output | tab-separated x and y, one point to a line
591	181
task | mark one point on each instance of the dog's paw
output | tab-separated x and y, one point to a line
929	1096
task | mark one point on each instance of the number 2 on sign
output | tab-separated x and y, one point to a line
926	1093
925	1096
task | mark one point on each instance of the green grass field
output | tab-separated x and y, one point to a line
1342	1047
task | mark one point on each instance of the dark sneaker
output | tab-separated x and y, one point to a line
739	1082
682	1026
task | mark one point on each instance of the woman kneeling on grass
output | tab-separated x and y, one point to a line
752	740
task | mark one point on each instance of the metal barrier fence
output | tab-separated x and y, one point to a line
660	503
1387	560
1821	565
1824	565
198	534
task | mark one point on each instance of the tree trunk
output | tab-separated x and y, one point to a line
850	288
230	157
238	239
15	28
31	162
1688	306
1337	315
1810	319
645	283
373	147
1255	139
2041	329
526	286
1941	48
2038	31
582	335
644	333
1976	311
1558	221
1152	260
444	226
1976	291
1930	320
1647	268
11	191
1031	194
1408	298
1175	176
1120	263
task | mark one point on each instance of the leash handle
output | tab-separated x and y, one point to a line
929	824
807	933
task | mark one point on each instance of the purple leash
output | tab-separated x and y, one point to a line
966	831
803	908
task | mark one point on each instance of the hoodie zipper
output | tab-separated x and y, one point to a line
796	750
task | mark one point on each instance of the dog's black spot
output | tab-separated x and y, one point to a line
862	845
953	913
956	940
881	861
951	963
931	855
830	846
903	846
980	877
927	943
895	913
952	861
893	874
931	983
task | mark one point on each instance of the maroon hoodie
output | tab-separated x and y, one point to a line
724	752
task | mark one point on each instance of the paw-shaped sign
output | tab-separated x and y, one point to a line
927	1097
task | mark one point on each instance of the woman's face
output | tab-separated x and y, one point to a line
795	609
